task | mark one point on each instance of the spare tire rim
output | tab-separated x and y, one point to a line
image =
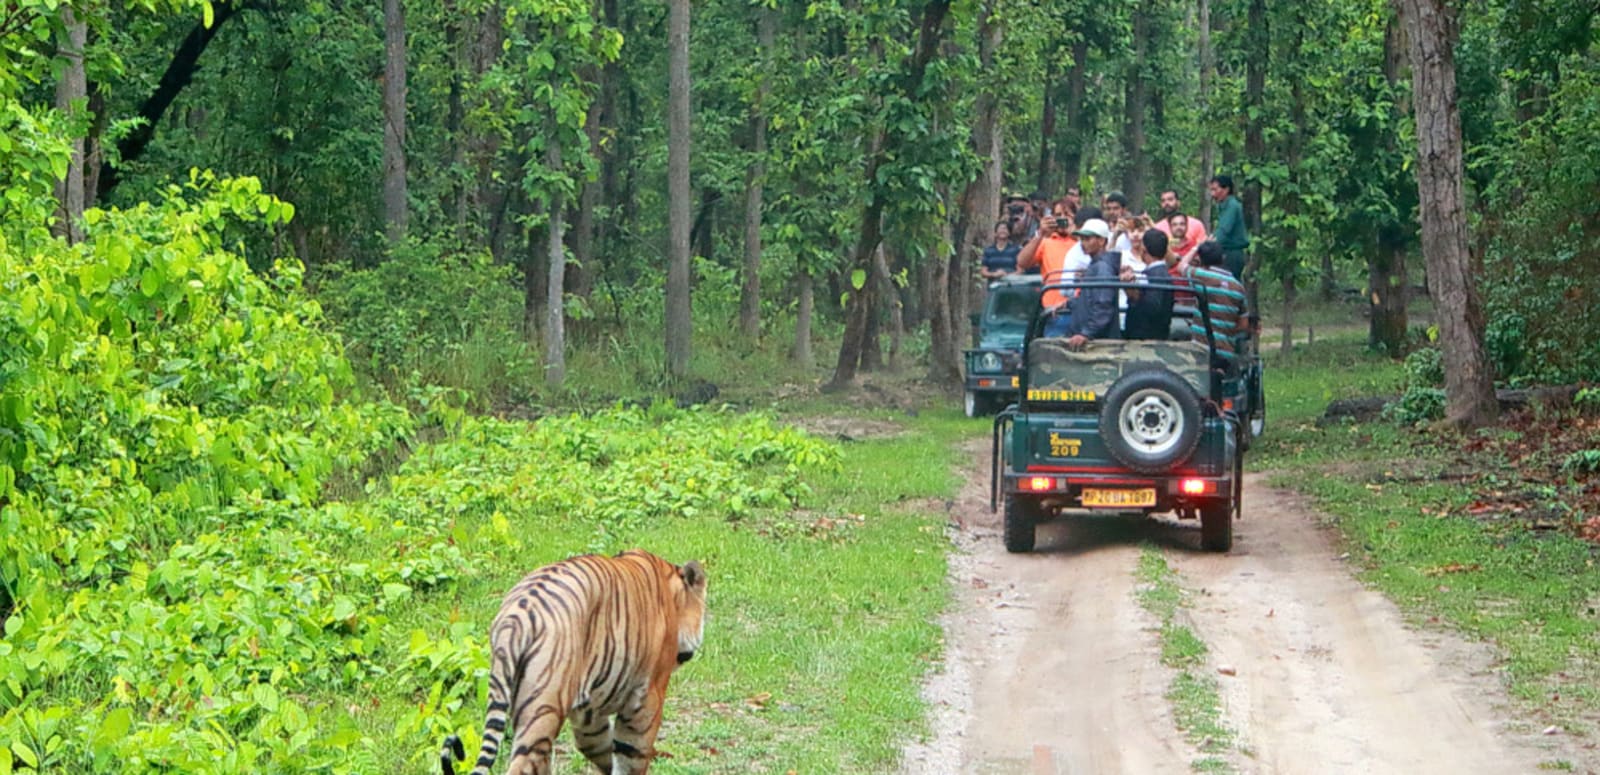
1152	421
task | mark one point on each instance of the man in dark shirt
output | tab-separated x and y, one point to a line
1230	231
1092	312
1150	309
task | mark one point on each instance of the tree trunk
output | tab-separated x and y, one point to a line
1431	33
580	281
1077	118
872	340
488	197
1208	142
72	89
929	38
1047	130
755	180
893	309
1390	294
1329	281
1288	312
1258	48
395	207
555	333
679	318
801	354
1136	167
979	202
1387	279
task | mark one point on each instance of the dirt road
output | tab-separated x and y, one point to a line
1052	666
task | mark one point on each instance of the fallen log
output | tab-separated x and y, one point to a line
1369	408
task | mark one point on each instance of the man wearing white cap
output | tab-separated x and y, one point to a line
1092	313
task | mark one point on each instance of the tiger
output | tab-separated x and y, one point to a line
590	637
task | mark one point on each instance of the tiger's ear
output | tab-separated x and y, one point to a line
692	574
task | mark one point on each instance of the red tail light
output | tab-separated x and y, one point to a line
1040	483
1196	487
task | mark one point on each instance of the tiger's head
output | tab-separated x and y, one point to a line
689	593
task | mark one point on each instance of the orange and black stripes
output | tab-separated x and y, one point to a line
593	636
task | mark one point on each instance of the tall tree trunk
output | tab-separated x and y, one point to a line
488	197
395	206
1208	142
1258	49
1431	34
1136	164
929	38
872	340
979	202
610	153
72	89
893	308
458	204
555	333
581	239
801	353
1386	270
1288	312
1047	131
1077	114
755	180
679	317
1329	286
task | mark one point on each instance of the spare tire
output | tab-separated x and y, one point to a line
1150	420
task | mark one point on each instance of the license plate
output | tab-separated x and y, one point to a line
1116	499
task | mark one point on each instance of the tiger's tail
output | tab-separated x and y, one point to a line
450	753
494	726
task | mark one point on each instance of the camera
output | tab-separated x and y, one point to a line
1016	208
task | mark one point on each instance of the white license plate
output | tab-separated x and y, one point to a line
1098	498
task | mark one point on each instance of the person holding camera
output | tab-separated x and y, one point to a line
1047	252
1020	218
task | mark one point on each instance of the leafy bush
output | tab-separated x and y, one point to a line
452	318
1423	399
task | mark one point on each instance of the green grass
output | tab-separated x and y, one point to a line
1532	593
822	620
1196	703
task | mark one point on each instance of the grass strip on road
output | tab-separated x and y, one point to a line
1196	703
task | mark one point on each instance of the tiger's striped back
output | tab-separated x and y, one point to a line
591	637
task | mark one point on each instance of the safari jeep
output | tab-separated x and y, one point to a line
1133	426
994	365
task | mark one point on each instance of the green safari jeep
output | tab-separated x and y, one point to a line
1141	426
993	367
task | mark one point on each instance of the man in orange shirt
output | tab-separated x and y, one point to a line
1048	250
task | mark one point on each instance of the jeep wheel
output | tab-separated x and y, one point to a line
975	404
1216	525
1150	421
1022	522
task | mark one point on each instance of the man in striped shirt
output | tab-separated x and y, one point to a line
1224	296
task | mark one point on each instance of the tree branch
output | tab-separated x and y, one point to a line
180	71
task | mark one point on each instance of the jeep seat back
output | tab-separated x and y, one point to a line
1058	374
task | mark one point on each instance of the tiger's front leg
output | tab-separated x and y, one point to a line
635	733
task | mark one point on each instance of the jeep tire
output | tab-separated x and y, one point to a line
1150	420
1022	522
1216	525
977	404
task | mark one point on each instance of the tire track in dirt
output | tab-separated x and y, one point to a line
1052	667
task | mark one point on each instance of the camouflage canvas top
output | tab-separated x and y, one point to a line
1058	374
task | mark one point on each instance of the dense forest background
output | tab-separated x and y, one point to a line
440	156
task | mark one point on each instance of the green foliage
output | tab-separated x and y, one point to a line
1545	239
433	315
1423	399
1583	460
